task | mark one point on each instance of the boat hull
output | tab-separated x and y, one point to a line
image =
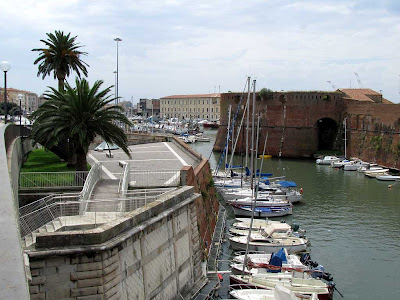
267	248
266	212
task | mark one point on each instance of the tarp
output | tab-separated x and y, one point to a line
287	184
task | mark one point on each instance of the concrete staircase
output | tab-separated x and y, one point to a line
53	226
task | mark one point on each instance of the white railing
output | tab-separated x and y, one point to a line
141	197
149	179
92	178
41	212
126	178
37	180
44	211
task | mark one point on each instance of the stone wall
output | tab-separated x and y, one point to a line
13	282
153	253
207	206
289	118
374	132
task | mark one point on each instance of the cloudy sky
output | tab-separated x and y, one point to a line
194	47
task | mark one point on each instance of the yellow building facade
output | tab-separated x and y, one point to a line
186	107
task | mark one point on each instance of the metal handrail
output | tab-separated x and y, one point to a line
161	178
44	211
92	178
39	180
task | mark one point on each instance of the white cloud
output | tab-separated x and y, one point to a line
183	46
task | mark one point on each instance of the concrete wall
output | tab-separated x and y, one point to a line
13	283
153	253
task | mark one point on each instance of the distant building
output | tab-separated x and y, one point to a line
205	106
29	101
149	107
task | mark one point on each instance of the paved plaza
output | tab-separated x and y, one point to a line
161	156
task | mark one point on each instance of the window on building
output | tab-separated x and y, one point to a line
212	109
207	109
216	109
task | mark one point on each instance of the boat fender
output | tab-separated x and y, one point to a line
389	186
220	277
301	191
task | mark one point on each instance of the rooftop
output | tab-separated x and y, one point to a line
215	95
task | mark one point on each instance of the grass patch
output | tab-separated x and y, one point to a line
42	160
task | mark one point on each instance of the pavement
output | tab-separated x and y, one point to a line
144	157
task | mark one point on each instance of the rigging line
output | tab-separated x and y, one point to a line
253	205
231	129
241	124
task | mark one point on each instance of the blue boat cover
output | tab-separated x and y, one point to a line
282	255
233	167
285	183
265	174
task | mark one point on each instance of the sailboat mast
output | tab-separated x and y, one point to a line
247	123
252	139
227	135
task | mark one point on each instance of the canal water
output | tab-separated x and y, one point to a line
352	221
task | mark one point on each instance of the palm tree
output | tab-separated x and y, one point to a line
81	113
60	57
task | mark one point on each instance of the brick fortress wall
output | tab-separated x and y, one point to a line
290	119
291	115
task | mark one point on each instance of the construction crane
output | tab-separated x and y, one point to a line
359	81
333	86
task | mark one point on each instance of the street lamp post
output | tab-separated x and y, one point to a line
115	87
20	110
117	40
5	67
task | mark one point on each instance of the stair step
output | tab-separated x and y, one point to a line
50	227
28	240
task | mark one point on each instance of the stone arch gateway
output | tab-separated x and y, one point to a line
327	130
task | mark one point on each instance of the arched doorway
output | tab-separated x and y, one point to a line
327	132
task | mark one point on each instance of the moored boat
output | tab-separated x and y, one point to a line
388	177
262	211
279	292
326	160
307	286
266	241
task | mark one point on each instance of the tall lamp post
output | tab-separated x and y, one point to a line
5	67
117	40
20	109
115	87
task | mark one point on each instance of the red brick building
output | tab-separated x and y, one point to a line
301	123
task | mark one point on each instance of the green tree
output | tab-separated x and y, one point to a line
266	94
61	57
80	114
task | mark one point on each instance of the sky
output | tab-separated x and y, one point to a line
172	47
